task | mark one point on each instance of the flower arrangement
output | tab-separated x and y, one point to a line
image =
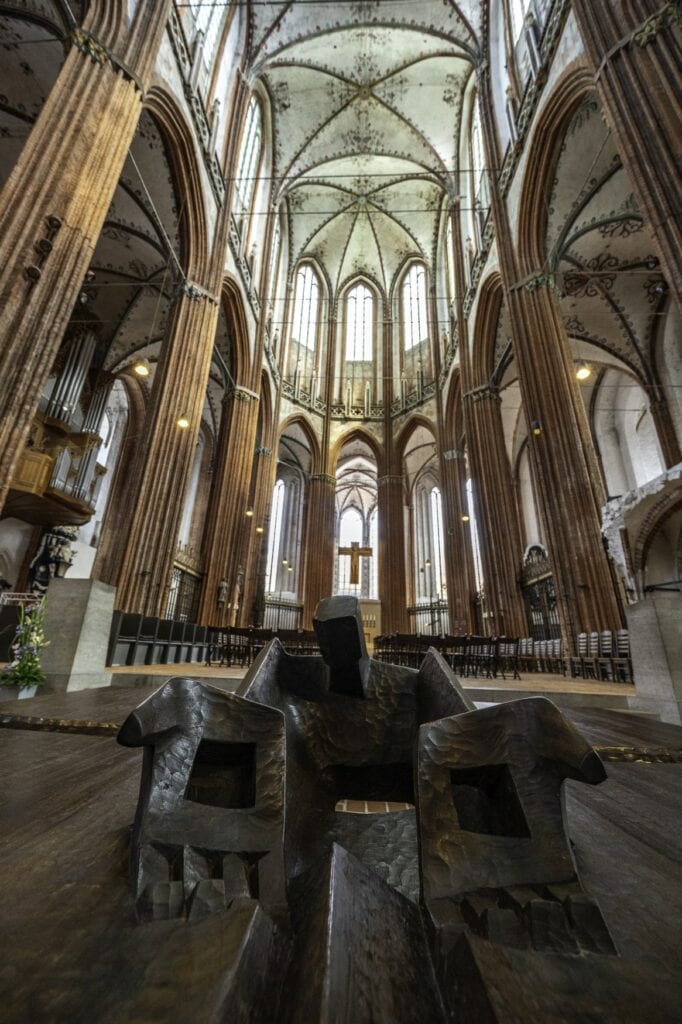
24	669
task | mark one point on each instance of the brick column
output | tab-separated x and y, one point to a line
636	59
179	391
52	209
563	460
392	580
227	527
318	543
665	427
458	555
496	513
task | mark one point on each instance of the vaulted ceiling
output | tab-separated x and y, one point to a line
366	103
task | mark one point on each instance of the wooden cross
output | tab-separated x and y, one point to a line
356	553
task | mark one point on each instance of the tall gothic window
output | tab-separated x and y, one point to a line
275	538
438	542
480	181
450	262
359	324
306	307
274	261
475	544
415	326
208	19
249	159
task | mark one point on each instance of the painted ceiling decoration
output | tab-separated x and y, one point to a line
366	104
602	253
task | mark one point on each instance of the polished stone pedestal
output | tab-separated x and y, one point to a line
77	624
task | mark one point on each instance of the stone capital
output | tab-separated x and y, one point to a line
100	54
241	394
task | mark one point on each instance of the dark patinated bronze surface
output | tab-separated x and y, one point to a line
435	909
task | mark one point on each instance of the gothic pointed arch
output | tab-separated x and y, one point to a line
568	94
235	313
356	434
485	331
194	253
299	421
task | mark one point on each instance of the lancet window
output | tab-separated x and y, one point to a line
359	324
249	158
415	324
275	538
306	307
475	545
208	19
480	182
438	542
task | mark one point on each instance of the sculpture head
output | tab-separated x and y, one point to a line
338	627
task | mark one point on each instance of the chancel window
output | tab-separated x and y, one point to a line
415	326
306	307
275	538
359	324
249	158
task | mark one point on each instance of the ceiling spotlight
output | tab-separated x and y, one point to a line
259	529
535	429
290	569
583	371
465	518
183	423
142	368
285	561
249	512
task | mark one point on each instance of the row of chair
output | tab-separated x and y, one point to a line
604	656
145	640
467	655
240	646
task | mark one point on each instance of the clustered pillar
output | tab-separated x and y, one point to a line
178	396
319	542
227	532
501	548
52	209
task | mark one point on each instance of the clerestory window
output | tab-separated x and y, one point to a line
249	159
306	307
415	325
359	324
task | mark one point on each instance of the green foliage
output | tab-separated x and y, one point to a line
24	669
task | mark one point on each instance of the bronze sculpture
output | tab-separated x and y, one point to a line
426	914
